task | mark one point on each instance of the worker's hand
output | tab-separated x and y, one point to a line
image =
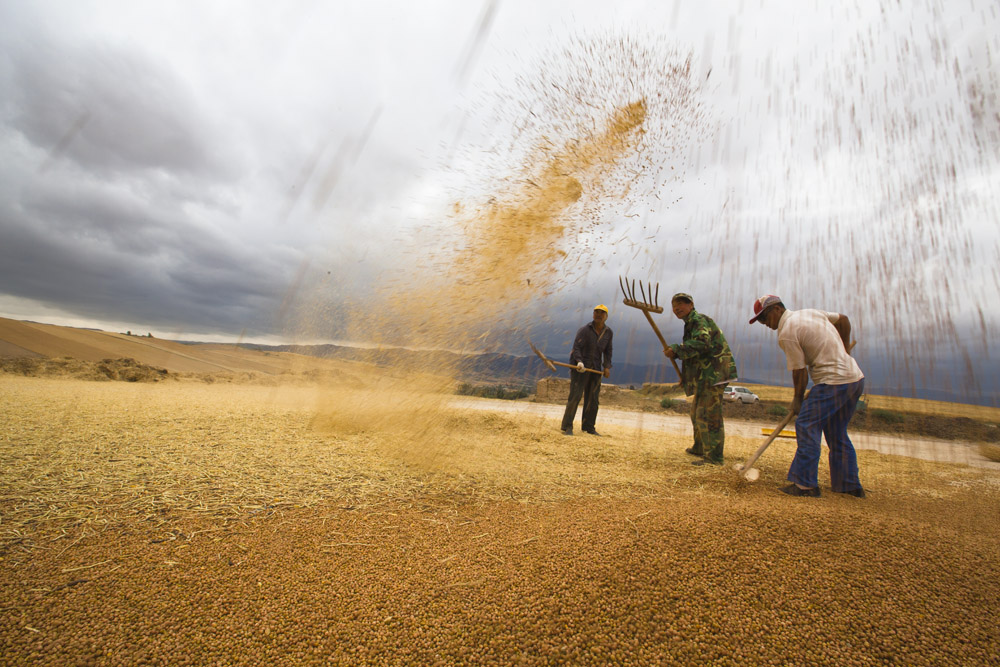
579	366
795	406
669	353
850	346
607	372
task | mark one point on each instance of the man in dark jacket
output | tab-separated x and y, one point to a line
708	367
591	349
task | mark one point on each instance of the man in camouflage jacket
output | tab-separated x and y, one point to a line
708	366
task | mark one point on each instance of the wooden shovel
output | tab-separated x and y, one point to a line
746	468
552	364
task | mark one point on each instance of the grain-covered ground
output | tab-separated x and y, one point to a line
228	523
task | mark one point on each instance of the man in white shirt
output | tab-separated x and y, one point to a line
816	344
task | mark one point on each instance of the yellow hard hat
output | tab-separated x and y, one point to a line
601	307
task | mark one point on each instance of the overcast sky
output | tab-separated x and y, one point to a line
213	170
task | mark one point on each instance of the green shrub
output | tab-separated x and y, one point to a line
777	410
667	403
491	391
888	416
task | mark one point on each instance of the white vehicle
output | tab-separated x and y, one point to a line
740	394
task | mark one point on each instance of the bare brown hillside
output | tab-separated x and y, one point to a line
32	340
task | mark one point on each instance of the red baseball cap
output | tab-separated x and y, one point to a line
761	304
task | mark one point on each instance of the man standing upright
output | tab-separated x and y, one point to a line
708	367
815	343
591	349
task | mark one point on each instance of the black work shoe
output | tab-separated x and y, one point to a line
794	490
591	432
857	493
567	431
690	450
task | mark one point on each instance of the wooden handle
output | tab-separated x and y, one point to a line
573	366
549	363
656	330
680	378
767	443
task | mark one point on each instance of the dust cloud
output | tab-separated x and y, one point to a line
597	131
594	128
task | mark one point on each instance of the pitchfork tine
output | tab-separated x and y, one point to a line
622	285
632	296
656	301
643	293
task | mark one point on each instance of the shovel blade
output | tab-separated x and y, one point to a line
541	356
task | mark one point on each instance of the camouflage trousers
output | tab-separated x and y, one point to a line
706	418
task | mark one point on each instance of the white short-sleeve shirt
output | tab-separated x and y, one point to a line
810	340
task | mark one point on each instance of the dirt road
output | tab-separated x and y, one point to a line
927	449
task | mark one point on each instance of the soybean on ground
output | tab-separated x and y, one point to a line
193	523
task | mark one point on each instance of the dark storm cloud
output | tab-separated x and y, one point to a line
110	214
120	193
164	274
115	247
108	110
153	167
145	247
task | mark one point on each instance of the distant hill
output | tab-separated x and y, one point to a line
32	340
481	368
525	370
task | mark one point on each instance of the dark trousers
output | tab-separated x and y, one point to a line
587	386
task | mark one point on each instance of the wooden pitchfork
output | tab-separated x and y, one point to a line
647	308
552	364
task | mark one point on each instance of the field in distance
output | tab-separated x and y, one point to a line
918	406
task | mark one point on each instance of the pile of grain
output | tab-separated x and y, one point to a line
195	523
